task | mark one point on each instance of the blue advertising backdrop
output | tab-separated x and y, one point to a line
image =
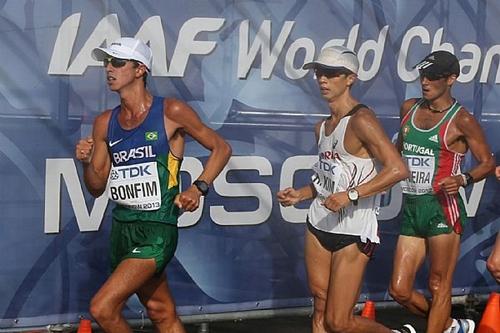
238	64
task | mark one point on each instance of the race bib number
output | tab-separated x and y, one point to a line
326	177
421	174
135	186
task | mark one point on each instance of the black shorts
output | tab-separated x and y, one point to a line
334	242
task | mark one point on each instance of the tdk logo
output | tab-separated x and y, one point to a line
418	162
325	166
134	171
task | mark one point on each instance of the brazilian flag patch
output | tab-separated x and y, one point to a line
151	136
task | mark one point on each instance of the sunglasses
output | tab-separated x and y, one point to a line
330	73
432	76
115	62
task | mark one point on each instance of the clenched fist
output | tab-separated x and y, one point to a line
84	149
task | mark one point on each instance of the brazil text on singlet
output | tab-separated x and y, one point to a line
426	153
144	177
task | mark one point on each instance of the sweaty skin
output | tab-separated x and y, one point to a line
138	275
335	278
464	134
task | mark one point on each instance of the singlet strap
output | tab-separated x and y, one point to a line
453	110
412	110
321	131
355	109
448	118
350	113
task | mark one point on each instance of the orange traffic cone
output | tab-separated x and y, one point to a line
85	326
369	310
490	322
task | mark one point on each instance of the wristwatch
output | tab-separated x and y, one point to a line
202	186
353	195
467	179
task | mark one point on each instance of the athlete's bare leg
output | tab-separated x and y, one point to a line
347	270
409	256
155	296
335	281
493	262
106	306
443	254
318	261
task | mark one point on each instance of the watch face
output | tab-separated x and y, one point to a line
353	195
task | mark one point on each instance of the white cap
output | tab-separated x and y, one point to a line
335	57
126	48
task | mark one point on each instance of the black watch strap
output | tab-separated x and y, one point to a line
468	179
202	186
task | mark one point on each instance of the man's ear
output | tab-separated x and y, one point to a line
351	78
140	70
451	79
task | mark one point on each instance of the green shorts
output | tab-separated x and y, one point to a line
143	240
425	216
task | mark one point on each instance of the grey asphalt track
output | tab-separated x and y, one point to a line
391	317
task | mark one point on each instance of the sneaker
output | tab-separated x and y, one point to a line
405	329
465	326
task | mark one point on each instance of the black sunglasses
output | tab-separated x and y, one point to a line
331	72
115	62
432	76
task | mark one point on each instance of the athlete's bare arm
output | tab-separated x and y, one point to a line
370	133
290	196
465	132
94	155
180	118
365	135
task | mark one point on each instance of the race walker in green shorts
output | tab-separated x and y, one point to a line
134	155
435	134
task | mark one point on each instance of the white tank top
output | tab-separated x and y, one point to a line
335	171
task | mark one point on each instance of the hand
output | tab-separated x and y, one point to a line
84	149
189	200
497	172
288	197
451	184
336	201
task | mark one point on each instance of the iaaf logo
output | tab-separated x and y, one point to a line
266	45
269	47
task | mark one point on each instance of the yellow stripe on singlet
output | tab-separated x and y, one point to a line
173	166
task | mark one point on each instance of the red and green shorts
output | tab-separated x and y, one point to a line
430	215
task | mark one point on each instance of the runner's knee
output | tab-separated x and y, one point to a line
319	299
335	324
493	265
102	311
438	286
399	292
160	312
